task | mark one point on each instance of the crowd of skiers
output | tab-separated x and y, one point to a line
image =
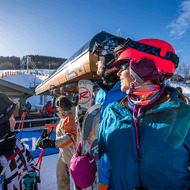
143	137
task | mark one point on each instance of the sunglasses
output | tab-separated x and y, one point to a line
124	66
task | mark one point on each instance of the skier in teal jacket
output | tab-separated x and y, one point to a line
146	136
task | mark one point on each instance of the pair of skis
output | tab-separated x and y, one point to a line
89	139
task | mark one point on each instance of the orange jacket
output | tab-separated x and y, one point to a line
66	132
69	128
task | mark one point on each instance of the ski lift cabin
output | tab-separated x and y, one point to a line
81	65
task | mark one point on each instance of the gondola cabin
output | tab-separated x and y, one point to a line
81	65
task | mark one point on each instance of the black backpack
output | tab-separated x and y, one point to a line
46	112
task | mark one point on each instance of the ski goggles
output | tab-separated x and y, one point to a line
142	70
99	49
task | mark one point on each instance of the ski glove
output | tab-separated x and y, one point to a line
83	169
47	143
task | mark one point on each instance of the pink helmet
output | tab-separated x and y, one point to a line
149	59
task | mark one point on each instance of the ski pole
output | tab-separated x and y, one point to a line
41	154
49	134
22	121
43	135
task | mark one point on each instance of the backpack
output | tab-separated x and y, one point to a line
46	111
29	106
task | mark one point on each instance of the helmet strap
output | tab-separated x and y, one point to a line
103	71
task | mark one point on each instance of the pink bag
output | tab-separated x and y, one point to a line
83	169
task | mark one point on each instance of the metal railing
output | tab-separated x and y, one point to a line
41	119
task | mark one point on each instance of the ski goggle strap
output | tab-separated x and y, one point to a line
147	49
97	48
105	49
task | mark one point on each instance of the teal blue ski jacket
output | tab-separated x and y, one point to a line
162	160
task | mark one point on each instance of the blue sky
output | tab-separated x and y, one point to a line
59	28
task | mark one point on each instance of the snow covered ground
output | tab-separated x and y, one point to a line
25	80
48	172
